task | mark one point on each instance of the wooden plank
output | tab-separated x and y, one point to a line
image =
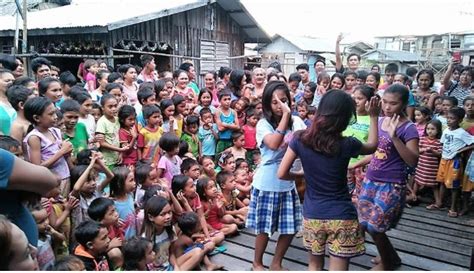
435	234
439	223
437	215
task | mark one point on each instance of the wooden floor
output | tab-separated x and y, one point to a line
425	240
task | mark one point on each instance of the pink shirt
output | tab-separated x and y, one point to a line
250	136
170	167
131	93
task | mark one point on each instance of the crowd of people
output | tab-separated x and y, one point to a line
138	170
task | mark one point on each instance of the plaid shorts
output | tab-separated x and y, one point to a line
344	237
274	211
380	205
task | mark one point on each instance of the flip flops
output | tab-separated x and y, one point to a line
433	207
217	250
452	213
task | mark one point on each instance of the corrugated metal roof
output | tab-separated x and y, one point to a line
393	55
306	43
112	13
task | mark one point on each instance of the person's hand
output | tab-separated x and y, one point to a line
71	203
66	147
339	38
284	106
374	106
320	90
171	121
125	148
180	196
133	132
392	125
115	242
455	61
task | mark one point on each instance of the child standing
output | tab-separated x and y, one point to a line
250	133
208	133
447	104
152	133
190	135
17	96
360	130
170	163
85	117
226	119
302	110
325	154
428	163
272	198
146	96
384	187
107	132
91	66
205	101
213	206
74	132
422	117
128	136
455	141
169	123
237	149
44	143
122	187
180	107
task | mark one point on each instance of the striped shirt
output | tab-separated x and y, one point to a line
428	162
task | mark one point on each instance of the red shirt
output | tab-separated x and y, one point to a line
250	136
130	157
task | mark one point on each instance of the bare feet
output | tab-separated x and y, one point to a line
213	267
278	268
376	260
257	268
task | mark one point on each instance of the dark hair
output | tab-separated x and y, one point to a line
312	87
178	72
294	77
239	162
302	66
23	80
334	114
376	66
276	65
79	94
83	157
468	98
451	99
165	104
35	106
142	170
117	183
159	86
124	112
144	93
168	142
146	59
36	63
391	68
113	77
349	73
399	89
201	187
367	91
59	114
235	81
101	74
428	72
105	98
411	71
17	94
319	61
469	69
99	207
224	93
223	157
437	124
178	183
188	222
222	177
8	61
67	78
70	105
362	74
267	98
134	250
183	148
404	76
224	70
202	92
149	110
271	75
205	110
8	143
250	112
185	66
458	112
425	111
376	75
177	100
86	232
64	263
312	110
353	54
153	207
43	85
236	134
125	67
77	171
191	120
339	76
187	164
458	68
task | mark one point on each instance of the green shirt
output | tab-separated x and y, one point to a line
192	142
359	130
110	130
80	139
194	86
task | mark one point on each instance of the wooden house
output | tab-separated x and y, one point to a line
210	33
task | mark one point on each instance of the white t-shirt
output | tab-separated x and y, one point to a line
89	122
453	141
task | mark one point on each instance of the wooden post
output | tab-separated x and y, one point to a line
24	39
471	266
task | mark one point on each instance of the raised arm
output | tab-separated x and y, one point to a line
338	53
374	110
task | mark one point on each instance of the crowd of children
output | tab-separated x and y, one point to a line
154	173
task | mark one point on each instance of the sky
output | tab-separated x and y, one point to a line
362	19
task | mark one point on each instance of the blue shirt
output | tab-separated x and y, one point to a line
126	211
208	140
265	177
229	119
327	195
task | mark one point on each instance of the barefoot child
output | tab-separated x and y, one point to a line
233	206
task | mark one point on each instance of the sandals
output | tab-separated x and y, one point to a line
452	213
433	207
